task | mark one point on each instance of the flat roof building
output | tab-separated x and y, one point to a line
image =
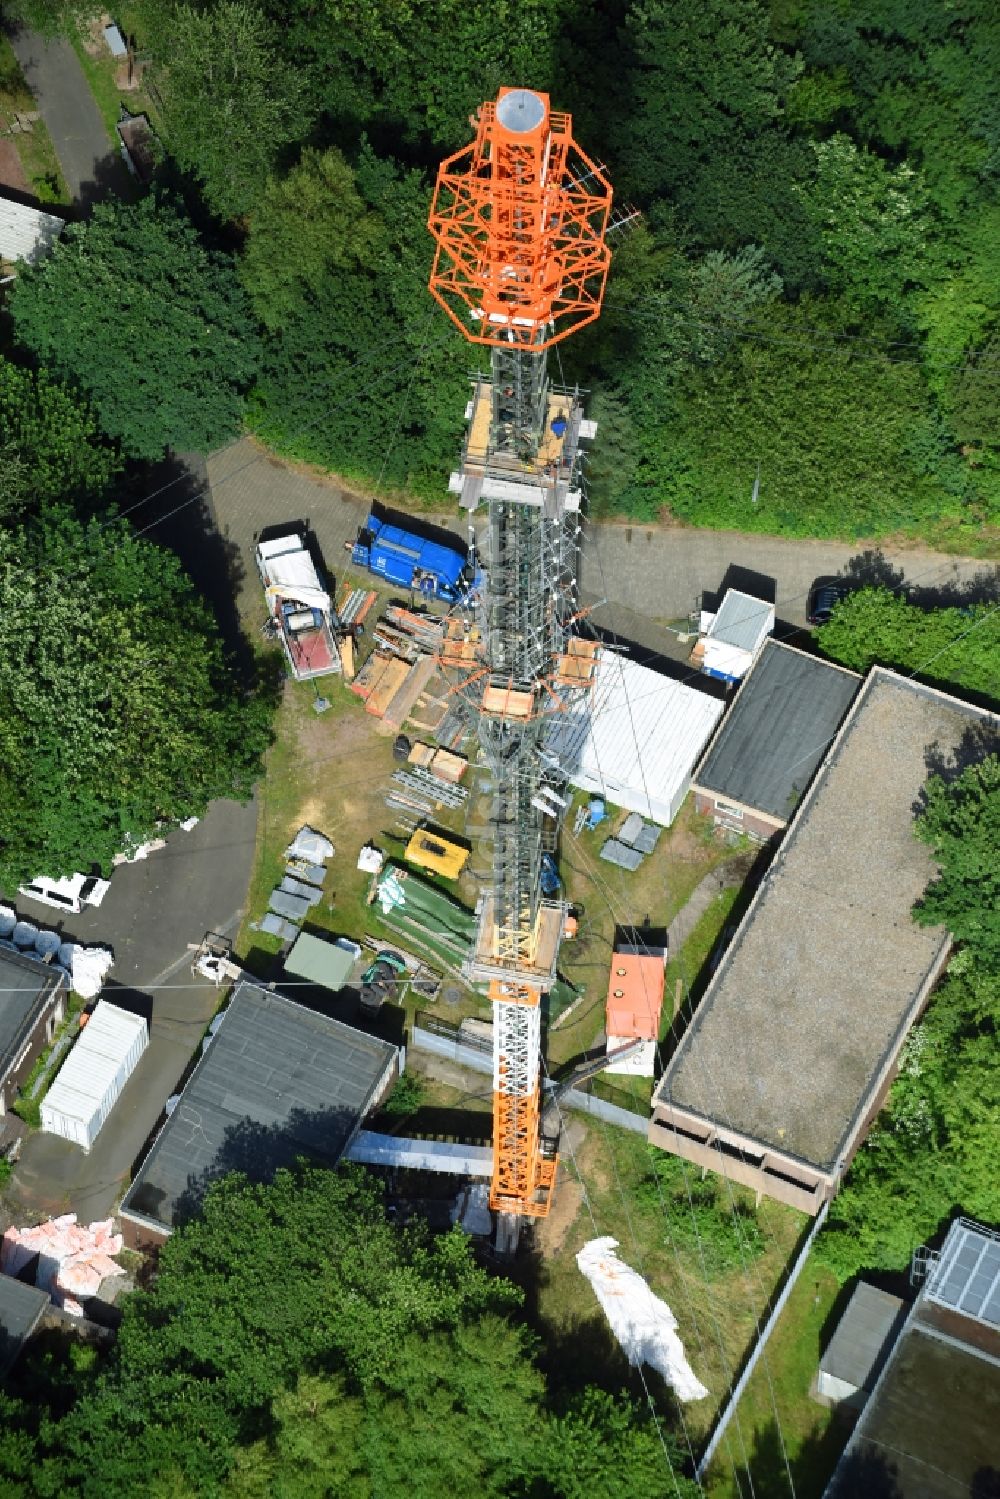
21	1308
32	1005
861	1342
792	1049
763	757
929	1429
276	1082
26	234
635	738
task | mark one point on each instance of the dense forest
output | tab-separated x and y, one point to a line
809	294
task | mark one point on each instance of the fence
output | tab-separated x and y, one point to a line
446	1039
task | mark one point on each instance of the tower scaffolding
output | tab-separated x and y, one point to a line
520	217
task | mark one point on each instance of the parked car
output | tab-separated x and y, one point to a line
69	894
824	596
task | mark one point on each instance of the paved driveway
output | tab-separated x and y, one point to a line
659	572
90	163
152	911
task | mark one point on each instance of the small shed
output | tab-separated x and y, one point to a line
634	1004
318	962
860	1345
732	638
91	1079
21	1308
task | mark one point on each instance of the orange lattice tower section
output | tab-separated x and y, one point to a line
519	217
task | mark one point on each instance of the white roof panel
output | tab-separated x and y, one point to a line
742	621
26	233
637	735
95	1059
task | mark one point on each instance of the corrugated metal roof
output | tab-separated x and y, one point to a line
278	1081
26	233
863	1336
742	621
636	736
94	1061
778	730
421	1155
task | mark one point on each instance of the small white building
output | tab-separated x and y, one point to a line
732	638
26	233
91	1079
635	738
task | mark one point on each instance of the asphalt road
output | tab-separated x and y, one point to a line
152	911
90	163
659	572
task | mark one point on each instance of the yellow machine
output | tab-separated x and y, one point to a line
437	853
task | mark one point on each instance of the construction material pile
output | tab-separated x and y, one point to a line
425	916
73	1261
633	841
86	967
302	887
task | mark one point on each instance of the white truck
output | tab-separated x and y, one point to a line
300	611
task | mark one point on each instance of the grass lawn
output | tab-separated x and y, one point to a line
606	1187
813	1436
36	150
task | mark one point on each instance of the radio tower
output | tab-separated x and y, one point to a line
520	217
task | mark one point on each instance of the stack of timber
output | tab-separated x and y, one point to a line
425	629
379	680
440	762
354	606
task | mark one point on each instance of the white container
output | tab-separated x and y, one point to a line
94	1074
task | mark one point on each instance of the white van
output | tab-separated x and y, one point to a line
69	894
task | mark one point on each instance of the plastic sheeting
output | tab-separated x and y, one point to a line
91	966
644	1325
310	845
73	1261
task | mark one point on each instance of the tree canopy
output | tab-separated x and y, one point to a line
961	822
956	645
152	326
117	707
295	1343
50	442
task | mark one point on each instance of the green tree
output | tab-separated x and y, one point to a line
116	705
50	443
872	223
932	1151
961	823
231	100
309	225
154	328
957	646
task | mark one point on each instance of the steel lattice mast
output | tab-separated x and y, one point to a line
520	217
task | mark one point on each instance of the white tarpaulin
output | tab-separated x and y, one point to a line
644	1325
308	844
91	966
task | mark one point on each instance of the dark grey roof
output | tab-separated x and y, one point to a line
620	854
929	1430
26	986
863	1337
20	1308
278	1081
780	726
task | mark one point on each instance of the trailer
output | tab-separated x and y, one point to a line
300	611
427	567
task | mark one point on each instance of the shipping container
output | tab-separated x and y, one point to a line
94	1074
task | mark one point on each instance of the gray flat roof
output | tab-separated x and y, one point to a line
26	986
864	1336
787	710
929	1429
741	619
816	990
278	1081
20	1308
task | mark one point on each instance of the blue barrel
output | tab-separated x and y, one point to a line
8	921
25	934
